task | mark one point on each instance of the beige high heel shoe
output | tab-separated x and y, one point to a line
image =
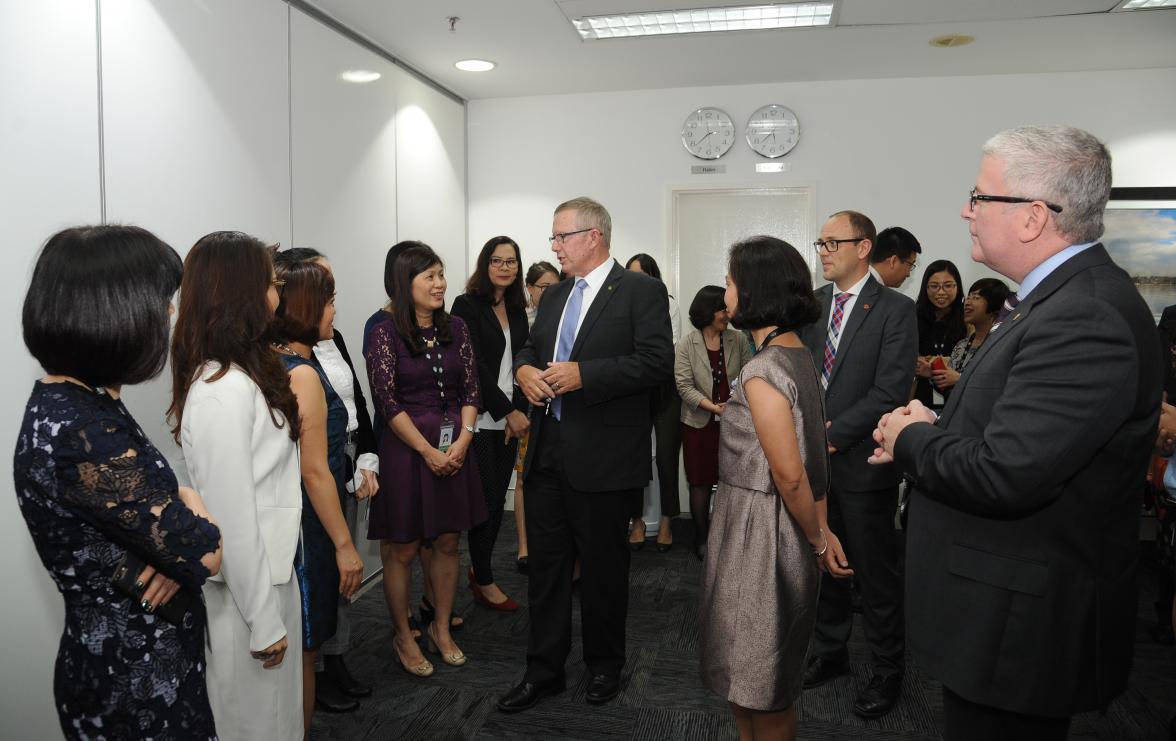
454	659
423	669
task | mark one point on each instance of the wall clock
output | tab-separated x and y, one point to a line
708	133
772	131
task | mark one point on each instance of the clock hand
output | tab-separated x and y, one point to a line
700	141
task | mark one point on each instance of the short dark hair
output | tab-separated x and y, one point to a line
538	270
411	262
895	240
994	292
706	303
861	224
96	308
773	283
481	287
390	263
647	263
297	254
308	289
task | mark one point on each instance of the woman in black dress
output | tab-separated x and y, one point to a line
940	311
100	499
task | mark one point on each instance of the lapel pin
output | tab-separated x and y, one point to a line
1016	316
865	307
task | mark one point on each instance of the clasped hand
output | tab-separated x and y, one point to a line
892	424
540	387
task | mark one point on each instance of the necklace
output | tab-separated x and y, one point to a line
280	347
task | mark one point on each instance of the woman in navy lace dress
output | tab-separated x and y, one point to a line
93	490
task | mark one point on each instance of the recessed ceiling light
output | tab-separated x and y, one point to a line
702	20
952	40
1145	4
358	76
474	65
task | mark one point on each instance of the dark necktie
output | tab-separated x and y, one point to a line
1009	304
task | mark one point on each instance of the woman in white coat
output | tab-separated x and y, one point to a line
237	420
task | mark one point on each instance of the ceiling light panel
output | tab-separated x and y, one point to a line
703	20
1146	4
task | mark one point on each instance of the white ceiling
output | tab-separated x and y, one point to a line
538	52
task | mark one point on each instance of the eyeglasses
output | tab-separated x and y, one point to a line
973	196
504	262
831	245
937	287
542	286
911	263
563	236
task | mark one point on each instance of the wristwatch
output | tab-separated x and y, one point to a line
469	428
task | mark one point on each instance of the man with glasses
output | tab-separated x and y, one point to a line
600	344
864	347
894	256
1024	516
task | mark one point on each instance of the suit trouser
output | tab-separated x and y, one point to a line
563	523
864	521
667	433
964	720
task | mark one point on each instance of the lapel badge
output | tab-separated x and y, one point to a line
1016	316
865	307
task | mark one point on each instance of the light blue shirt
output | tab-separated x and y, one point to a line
1042	271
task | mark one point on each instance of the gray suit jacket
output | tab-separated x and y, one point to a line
692	371
1024	521
871	376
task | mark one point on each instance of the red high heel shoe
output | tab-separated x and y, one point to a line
507	605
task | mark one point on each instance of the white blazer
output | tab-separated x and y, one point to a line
247	471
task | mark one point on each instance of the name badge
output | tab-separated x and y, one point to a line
446	438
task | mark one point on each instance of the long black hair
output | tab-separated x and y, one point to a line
482	288
955	313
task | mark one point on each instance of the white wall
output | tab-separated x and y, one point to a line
48	180
905	152
217	114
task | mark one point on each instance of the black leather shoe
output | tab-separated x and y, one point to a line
663	547
602	688
337	672
331	699
526	695
879	696
821	669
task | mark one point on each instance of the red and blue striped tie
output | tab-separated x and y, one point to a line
832	335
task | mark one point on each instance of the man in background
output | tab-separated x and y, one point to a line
894	256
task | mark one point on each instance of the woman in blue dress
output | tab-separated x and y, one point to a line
330	565
99	499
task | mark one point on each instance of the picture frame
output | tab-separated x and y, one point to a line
1140	235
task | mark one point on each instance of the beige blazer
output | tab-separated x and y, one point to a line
692	371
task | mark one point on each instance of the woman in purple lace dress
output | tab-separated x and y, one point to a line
99	498
421	365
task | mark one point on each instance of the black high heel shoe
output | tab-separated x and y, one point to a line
428	612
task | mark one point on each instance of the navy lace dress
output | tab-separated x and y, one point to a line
318	573
91	487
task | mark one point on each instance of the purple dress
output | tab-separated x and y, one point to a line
413	503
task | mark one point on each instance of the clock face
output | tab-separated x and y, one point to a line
708	133
773	131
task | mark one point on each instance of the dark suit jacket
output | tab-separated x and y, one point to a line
871	376
625	349
1167	329
489	343
1024	523
365	440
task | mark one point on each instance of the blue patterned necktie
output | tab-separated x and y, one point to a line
567	333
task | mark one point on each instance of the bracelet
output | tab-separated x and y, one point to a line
824	546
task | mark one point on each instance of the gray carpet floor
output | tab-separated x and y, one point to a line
661	697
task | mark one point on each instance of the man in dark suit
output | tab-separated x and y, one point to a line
600	344
1024	521
864	346
894	256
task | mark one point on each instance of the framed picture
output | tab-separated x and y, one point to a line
1140	236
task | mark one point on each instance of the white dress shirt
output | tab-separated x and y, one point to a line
486	420
339	374
855	290
595	280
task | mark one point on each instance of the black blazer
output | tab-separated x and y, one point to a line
489	342
871	375
1024	521
365	439
625	349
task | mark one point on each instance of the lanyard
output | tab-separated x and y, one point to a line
771	336
718	372
433	354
